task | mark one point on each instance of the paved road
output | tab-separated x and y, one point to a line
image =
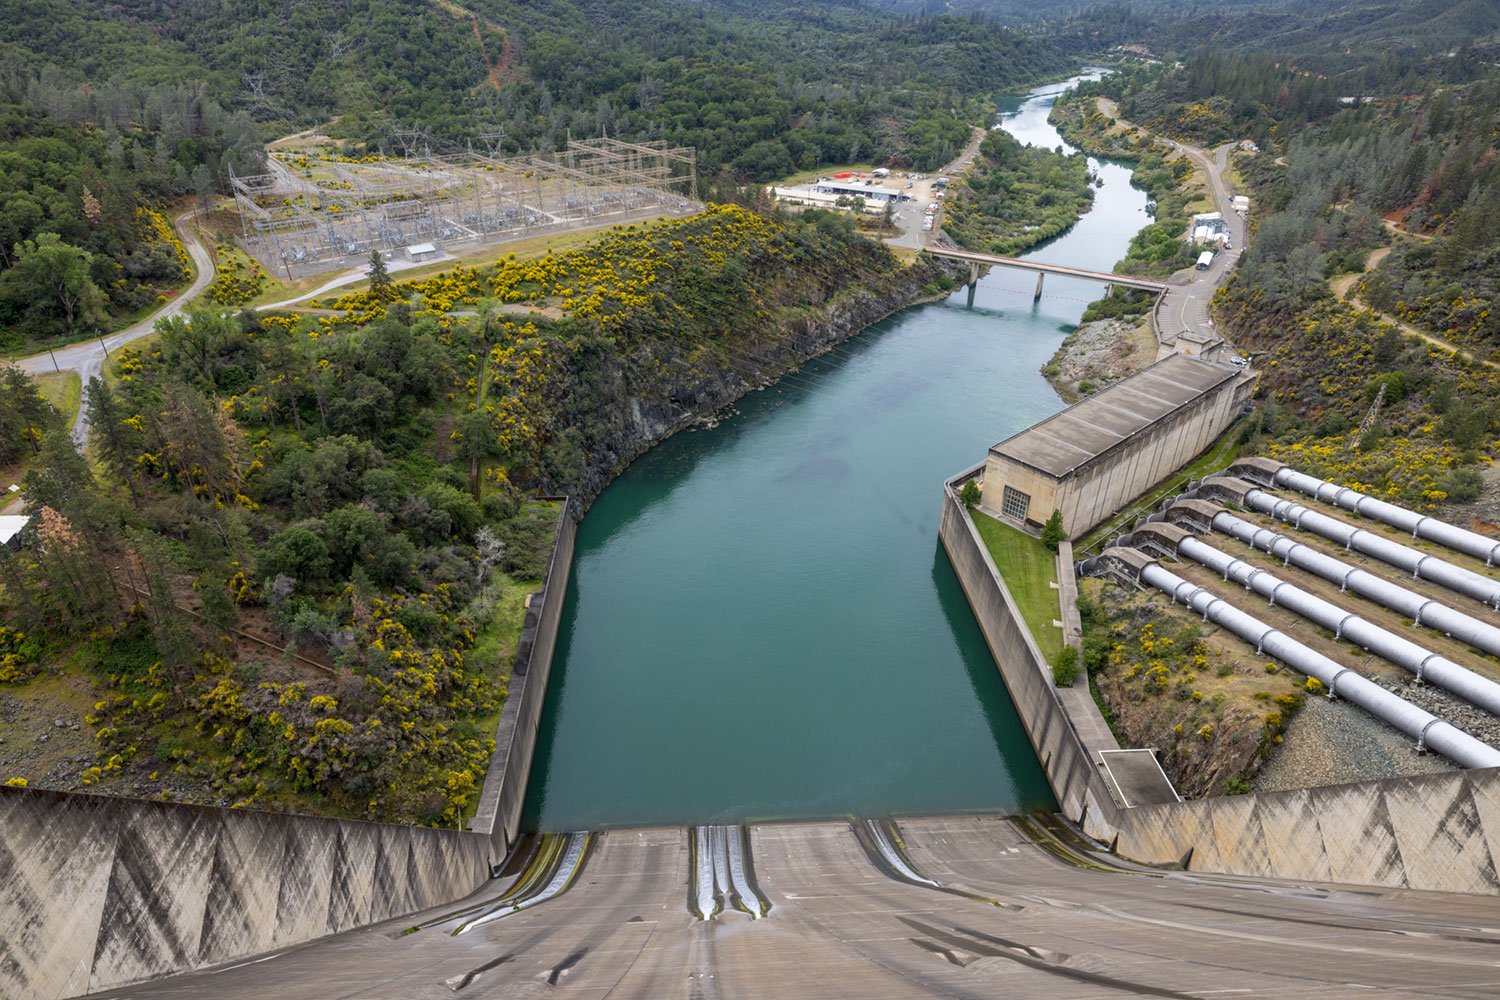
87	357
1186	308
1181	310
839	927
909	216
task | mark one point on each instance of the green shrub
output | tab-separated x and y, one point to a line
1461	485
1237	786
1053	534
1065	667
969	495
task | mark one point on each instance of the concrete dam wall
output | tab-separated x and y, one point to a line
98	892
1439	831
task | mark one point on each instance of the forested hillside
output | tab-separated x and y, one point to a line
1325	35
107	112
765	88
1398	194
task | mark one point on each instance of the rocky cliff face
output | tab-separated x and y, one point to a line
662	387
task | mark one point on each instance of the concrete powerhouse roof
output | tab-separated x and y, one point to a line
1084	431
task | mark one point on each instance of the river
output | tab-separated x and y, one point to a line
761	623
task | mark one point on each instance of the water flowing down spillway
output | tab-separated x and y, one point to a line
761	623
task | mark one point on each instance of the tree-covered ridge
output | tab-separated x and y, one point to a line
1325	35
360	491
1016	196
766	87
80	243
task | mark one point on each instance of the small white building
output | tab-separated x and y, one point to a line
422	251
855	189
1209	227
11	527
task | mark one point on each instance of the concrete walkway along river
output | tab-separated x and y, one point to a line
761	623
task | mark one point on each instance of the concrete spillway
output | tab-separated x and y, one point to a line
1045	927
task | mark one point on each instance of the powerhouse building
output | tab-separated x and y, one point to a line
1096	456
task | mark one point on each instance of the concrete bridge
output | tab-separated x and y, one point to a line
1109	279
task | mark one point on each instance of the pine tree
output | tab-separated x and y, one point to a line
118	443
380	278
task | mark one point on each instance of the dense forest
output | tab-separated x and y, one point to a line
81	239
764	88
1016	195
1326	35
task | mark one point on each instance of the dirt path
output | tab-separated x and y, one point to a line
500	69
1343	287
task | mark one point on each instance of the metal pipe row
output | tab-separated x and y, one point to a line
1426	664
1422	609
1419	564
1420	525
1427	729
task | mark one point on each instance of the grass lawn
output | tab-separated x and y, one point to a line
64	390
1029	569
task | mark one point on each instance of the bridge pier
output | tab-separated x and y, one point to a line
1041	276
973	282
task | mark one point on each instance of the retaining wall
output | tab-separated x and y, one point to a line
504	790
98	891
1439	832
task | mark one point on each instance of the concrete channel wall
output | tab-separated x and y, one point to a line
1075	783
1439	831
504	790
98	891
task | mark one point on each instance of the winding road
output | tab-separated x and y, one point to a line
1185	308
87	357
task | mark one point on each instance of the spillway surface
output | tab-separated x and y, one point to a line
761	624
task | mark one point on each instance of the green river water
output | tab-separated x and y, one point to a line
761	623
